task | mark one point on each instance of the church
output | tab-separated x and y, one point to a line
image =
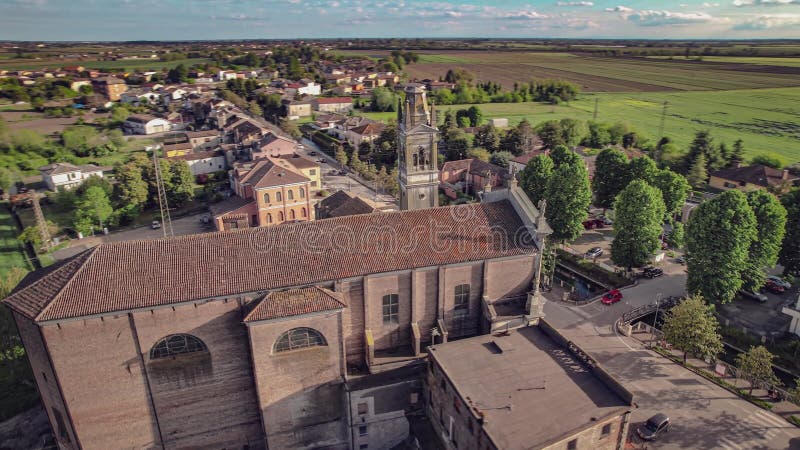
279	337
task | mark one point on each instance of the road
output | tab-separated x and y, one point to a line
704	415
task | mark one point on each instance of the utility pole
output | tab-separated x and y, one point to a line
663	118
166	221
596	101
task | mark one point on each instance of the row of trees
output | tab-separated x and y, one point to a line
466	91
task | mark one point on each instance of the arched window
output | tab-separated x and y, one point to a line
297	338
302	193
266	197
177	344
278	197
289	194
291	214
269	218
304	212
280	216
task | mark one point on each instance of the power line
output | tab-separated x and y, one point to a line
163	205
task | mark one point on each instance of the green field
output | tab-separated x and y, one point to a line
129	64
756	60
11	254
767	120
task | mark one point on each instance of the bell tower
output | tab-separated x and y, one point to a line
417	145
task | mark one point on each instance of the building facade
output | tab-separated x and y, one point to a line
67	176
417	145
258	338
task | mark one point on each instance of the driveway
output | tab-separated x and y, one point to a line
704	415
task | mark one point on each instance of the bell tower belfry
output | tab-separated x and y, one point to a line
417	145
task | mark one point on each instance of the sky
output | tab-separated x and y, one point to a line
121	20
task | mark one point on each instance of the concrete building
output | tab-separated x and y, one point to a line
67	176
339	105
145	124
524	388
256	339
417	145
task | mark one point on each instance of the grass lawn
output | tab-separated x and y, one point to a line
767	120
11	254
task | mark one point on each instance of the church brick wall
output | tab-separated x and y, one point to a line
509	277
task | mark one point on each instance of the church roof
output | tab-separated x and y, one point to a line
294	302
137	275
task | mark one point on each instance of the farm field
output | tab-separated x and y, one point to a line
602	74
767	120
129	64
756	60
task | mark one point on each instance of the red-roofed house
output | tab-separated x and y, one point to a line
749	178
273	145
333	104
471	175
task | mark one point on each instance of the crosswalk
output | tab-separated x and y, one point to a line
764	425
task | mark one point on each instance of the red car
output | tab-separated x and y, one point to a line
612	296
593	223
774	287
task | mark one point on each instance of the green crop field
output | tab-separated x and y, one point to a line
756	60
767	120
129	64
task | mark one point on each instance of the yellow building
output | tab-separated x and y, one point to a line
308	168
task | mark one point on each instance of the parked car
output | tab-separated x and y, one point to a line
654	427
774	287
753	295
779	281
593	223
342	172
652	272
594	252
611	297
606	221
312	153
155	224
681	260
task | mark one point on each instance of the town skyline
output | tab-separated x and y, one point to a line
124	20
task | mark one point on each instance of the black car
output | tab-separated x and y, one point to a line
654	427
652	272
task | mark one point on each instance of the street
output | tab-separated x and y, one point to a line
704	415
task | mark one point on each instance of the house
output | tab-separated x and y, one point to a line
204	162
269	338
145	124
333	104
203	139
77	83
304	166
516	164
225	75
177	149
67	176
343	126
749	178
136	96
275	194
327	122
273	145
244	131
471	176
111	87
74	69
486	392
342	89
364	133
793	310
343	203
296	109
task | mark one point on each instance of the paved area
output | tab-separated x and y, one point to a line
704	415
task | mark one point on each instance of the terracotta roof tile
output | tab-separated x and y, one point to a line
130	275
265	173
757	174
294	302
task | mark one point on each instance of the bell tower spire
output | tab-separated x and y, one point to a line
418	141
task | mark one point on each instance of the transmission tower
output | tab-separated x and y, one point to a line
41	224
163	205
663	118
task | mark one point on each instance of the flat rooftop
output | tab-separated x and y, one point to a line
530	390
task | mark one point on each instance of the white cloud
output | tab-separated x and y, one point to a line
654	18
767	21
584	3
620	9
524	15
740	3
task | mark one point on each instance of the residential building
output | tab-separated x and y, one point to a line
145	124
524	388
515	165
111	87
333	104
244	131
204	162
343	203
793	310
304	166
245	339
296	109
272	145
203	139
471	176
137	96
749	178
364	133
67	176
178	149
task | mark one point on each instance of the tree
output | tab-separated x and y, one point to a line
701	145
755	366
770	226
698	174
178	182
479	153
6	179
475	116
643	168
341	156
676	236
255	109
736	156
639	210
789	256
290	127
93	208
456	144
770	160
563	156
519	140
568	195
692	327
383	99
535	177
718	239
501	159
674	189
571	131
610	176
550	133
179	74
488	138
131	188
